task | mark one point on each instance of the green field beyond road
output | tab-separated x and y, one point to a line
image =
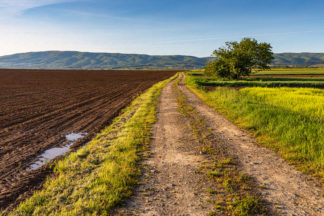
311	82
297	71
288	120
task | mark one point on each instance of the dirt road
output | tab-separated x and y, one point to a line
172	187
170	184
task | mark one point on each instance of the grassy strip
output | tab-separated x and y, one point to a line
260	83
233	193
268	78
295	71
277	71
96	178
288	120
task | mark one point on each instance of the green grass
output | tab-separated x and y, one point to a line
98	177
261	82
297	71
277	71
288	120
266	81
244	83
267	78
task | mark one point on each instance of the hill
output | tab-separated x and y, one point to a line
299	59
88	60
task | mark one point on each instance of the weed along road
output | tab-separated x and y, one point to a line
200	163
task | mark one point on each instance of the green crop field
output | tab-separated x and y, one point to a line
285	79
297	71
311	82
245	83
288	120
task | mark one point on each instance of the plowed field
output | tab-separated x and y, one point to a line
39	107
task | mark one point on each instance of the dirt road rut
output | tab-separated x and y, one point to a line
170	184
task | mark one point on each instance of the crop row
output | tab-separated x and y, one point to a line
292	71
274	82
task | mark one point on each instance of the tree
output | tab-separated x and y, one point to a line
238	59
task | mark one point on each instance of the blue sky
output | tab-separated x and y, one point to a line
160	27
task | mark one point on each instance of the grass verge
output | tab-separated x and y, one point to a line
288	120
233	193
261	82
294	71
98	177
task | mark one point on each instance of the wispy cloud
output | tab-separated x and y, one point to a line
17	6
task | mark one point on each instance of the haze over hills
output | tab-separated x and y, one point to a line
88	60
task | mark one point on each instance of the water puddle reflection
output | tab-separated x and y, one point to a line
52	153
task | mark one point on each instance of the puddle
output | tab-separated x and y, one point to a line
52	153
75	136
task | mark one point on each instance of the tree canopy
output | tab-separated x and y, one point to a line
239	58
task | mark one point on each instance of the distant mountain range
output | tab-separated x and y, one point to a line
87	60
299	59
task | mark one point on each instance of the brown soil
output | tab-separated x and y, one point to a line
171	185
39	107
287	190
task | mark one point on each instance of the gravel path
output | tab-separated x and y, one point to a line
170	184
